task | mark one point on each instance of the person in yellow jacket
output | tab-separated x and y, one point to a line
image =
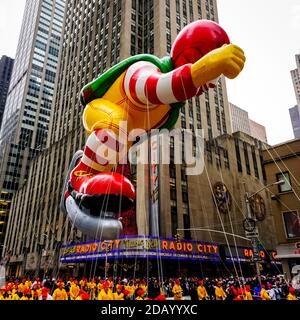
264	294
81	292
201	291
131	288
105	293
219	292
248	295
82	282
74	290
2	291
100	285
28	283
140	294
27	295
22	285
177	290
292	294
144	286
118	295
15	295
60	293
92	288
36	292
83	296
111	283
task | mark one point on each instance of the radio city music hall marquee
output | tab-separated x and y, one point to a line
139	246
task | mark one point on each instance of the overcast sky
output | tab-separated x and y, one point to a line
268	31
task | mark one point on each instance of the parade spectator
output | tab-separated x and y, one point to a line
264	294
219	292
105	293
248	295
292	294
153	289
271	292
196	289
177	290
118	295
60	293
201	291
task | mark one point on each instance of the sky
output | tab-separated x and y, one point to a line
269	33
267	30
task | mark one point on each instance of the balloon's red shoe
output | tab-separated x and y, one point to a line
105	191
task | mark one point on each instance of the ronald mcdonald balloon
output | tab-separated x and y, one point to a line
144	92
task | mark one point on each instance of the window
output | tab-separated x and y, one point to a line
246	158
292	224
173	195
254	161
286	186
238	155
174	220
187	225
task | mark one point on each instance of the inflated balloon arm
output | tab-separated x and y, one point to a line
145	84
228	60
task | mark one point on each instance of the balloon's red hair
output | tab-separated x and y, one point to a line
196	40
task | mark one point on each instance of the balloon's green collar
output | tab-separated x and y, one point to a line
97	88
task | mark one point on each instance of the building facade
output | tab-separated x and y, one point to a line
282	163
6	66
25	124
96	36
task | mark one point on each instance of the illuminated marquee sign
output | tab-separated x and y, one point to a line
152	247
140	247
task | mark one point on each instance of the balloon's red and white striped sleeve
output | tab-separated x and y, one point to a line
145	84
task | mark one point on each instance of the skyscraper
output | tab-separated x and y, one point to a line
6	66
295	119
295	111
296	79
258	131
26	118
240	121
96	36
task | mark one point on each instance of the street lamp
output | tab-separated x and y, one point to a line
251	229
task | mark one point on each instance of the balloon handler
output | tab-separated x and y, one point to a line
144	92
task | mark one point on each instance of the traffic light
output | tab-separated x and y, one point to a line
177	237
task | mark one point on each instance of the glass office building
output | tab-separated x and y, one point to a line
28	107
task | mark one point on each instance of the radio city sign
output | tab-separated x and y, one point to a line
139	246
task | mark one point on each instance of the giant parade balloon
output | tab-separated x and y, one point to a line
142	92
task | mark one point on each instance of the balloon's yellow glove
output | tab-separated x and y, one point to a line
228	60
